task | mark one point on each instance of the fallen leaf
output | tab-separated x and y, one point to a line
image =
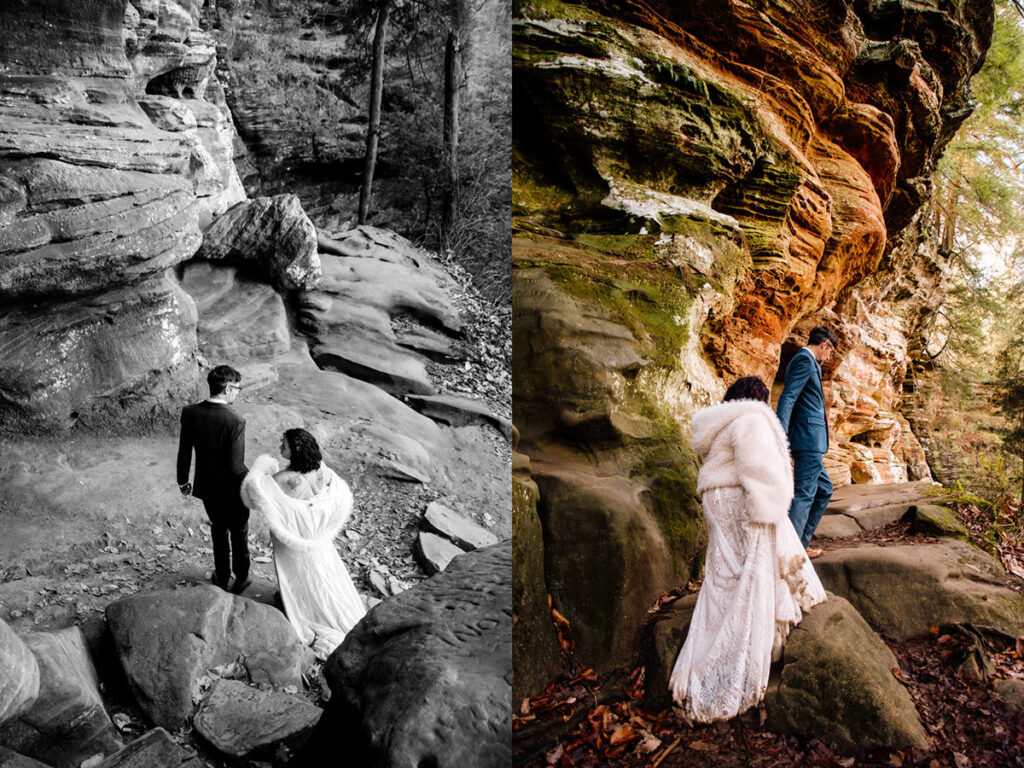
553	756
703	746
622	734
648	744
898	674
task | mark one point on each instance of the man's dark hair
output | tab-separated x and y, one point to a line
747	388
220	377
305	452
820	333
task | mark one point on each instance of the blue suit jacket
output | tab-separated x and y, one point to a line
802	405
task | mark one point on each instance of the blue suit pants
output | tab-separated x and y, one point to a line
812	489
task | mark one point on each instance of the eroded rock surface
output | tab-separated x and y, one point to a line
240	317
834	681
67	723
534	642
382	310
19	677
425	678
837	685
273	234
904	590
115	148
166	640
239	720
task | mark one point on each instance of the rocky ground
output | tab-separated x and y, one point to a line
962	679
91	518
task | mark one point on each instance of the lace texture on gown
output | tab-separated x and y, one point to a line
319	597
757	583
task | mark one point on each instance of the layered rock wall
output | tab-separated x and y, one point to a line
698	184
111	162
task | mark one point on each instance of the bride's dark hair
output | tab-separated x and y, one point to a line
747	388
305	452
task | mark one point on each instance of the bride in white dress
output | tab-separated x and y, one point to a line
305	506
757	579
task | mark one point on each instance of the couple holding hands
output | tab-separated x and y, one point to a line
764	489
305	506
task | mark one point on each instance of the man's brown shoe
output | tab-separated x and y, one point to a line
813	552
241	585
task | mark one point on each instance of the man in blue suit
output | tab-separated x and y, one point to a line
802	413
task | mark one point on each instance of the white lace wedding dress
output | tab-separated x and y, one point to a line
319	597
758	579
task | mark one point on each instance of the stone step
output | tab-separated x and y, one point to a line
462	531
434	552
837	524
238	720
903	590
856	497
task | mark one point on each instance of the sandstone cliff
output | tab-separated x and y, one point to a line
696	185
115	151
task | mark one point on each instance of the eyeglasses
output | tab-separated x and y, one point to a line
235	387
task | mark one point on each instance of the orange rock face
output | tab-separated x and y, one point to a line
696	185
814	129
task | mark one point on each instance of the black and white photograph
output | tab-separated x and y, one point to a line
255	383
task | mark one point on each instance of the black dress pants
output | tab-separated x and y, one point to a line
229	528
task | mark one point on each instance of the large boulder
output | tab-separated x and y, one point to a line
901	591
19	674
834	681
273	235
100	360
534	642
425	678
598	419
67	724
167	640
837	684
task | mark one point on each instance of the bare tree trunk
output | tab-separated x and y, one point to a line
451	134
373	128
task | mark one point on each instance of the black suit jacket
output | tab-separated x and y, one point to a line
217	434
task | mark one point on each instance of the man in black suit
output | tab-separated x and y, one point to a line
217	435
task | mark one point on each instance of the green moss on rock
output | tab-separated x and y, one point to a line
933	520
